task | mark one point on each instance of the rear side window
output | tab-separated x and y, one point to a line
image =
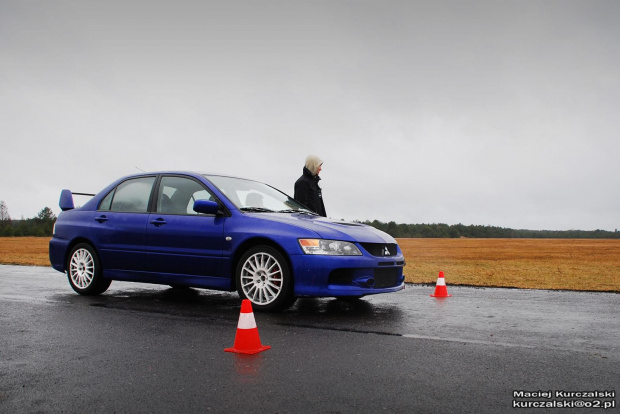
131	196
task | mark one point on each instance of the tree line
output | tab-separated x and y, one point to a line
39	226
440	230
42	225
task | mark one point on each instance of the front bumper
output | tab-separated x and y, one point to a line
317	276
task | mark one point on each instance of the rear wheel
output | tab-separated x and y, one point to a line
84	271
263	276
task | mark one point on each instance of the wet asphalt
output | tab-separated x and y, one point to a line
153	349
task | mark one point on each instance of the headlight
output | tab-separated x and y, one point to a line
329	247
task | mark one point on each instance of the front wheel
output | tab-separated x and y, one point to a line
84	271
263	277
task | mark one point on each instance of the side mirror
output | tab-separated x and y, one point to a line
206	207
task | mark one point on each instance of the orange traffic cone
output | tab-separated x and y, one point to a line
441	290
247	340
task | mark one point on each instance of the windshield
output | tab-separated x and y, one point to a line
248	195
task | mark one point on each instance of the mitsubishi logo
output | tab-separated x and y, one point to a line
386	251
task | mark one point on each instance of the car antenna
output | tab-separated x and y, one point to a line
138	168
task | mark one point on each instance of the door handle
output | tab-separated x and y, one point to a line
101	219
158	222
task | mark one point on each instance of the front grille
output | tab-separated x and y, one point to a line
380	249
387	277
400	263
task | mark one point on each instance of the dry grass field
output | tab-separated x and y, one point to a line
30	251
523	263
576	264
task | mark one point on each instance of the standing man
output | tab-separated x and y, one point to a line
307	190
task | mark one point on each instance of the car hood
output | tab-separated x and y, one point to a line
330	229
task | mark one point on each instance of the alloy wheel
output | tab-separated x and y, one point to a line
261	278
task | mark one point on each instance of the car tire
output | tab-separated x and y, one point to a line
263	276
84	271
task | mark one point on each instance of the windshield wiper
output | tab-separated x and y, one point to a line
298	211
256	209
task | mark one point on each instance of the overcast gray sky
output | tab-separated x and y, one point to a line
500	113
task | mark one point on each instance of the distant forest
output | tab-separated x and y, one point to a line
454	231
42	226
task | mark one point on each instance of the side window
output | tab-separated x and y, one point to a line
177	195
106	203
131	196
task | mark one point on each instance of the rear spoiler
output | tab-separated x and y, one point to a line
66	199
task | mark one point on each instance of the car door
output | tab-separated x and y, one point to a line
119	226
179	240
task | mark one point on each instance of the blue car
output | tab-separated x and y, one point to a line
218	232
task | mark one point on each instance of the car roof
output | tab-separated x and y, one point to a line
186	172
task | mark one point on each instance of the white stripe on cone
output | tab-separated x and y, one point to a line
441	281
246	321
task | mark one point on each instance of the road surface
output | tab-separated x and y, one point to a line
153	349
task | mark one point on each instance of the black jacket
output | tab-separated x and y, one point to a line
308	192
